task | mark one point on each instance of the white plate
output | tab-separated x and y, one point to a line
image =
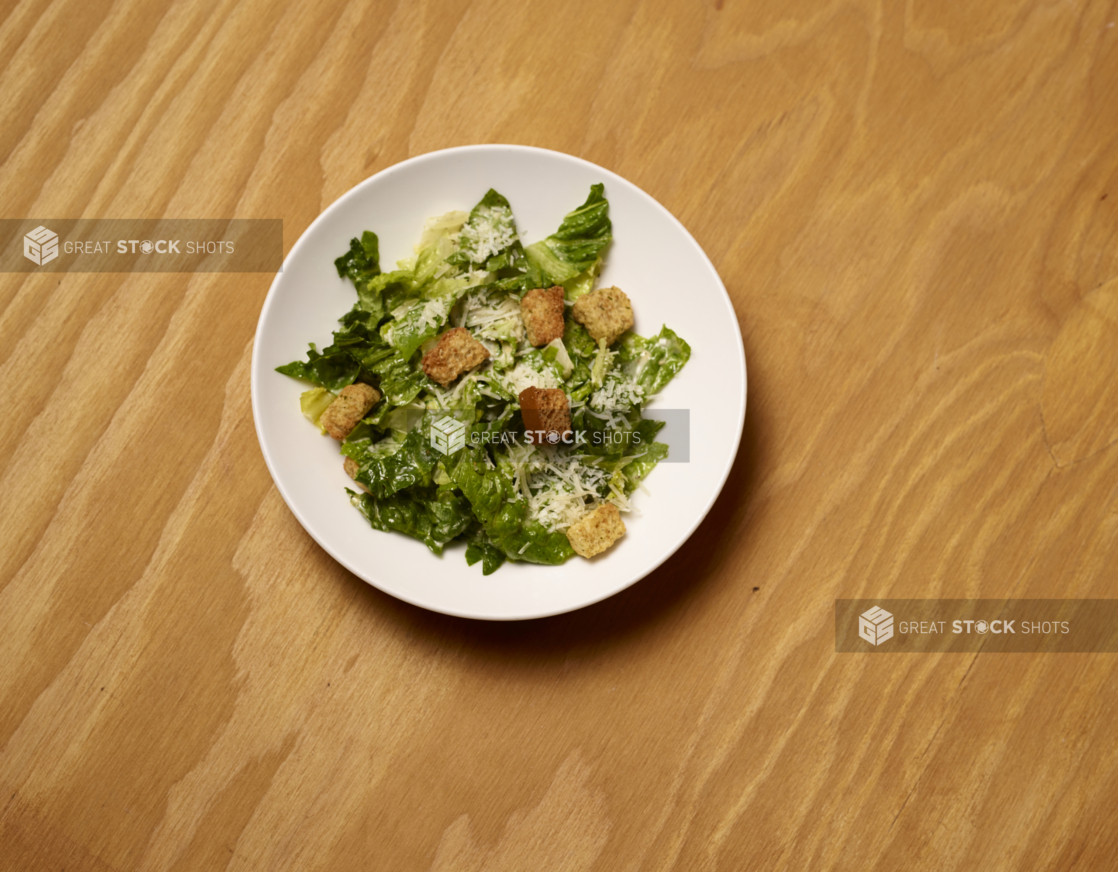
653	259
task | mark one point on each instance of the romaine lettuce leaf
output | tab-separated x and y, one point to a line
638	469
487	235
575	246
361	265
435	517
503	513
583	283
421	322
362	261
410	466
332	369
653	362
398	380
578	341
480	548
314	402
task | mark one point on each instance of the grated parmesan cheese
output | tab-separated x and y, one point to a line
442	231
434	312
492	316
616	394
528	373
491	234
560	486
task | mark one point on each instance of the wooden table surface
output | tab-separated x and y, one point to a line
914	208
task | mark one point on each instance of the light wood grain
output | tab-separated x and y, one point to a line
914	207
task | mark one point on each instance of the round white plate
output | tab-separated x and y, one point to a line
653	259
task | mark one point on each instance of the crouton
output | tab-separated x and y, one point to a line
605	313
546	410
542	311
351	405
597	531
455	353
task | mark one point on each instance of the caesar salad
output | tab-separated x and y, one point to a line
488	391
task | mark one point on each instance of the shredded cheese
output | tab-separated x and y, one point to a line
491	234
434	312
525	375
492	316
560	486
616	394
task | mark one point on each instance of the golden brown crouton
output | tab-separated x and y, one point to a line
352	404
546	410
605	313
542	311
456	352
594	533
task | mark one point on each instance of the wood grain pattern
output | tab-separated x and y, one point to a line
914	207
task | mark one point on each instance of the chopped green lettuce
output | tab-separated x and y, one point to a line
503	498
313	403
576	246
